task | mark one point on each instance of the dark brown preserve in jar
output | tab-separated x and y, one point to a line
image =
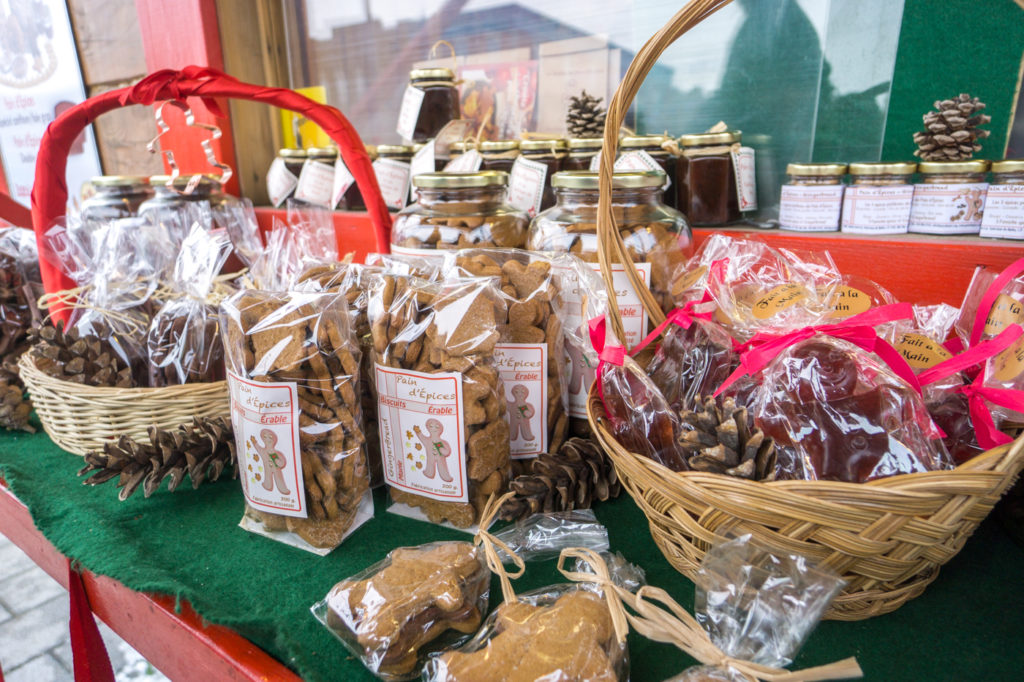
551	152
353	200
706	191
581	151
652	144
440	101
498	155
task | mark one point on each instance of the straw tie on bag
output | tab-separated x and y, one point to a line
678	627
491	545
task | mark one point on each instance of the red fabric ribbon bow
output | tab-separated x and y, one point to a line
167	84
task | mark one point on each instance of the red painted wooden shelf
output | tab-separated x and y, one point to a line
180	645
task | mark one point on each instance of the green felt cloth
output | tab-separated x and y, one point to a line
968	625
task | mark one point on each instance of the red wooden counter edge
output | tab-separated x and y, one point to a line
177	644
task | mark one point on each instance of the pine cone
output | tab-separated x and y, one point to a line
586	116
85	359
573	478
14	407
201	449
723	440
951	131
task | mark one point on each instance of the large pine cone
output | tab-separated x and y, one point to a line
951	131
586	116
722	439
86	359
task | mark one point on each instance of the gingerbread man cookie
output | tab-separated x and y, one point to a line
520	413
437	450
274	462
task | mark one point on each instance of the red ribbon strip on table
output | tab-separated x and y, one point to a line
153	86
985	430
91	661
858	330
613	354
991	294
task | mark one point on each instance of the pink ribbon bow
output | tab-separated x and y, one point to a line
685	316
991	294
613	354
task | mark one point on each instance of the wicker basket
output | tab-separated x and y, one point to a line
887	538
82	418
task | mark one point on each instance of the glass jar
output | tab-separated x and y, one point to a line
396	152
879	197
353	200
393	178
582	150
208	188
651	145
115	196
706	188
440	101
812	200
950	199
499	155
293	160
439	163
550	152
1004	205
458	210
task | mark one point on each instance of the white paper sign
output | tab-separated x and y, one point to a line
422	162
810	208
421	432
639	160
393	178
526	185
468	162
316	184
265	417
1004	212
412	100
877	210
523	368
342	181
281	182
948	208
746	179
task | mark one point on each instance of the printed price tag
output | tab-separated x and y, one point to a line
810	208
265	418
342	181
316	184
412	100
1004	212
468	162
526	185
524	371
393	178
877	210
746	178
421	432
281	182
948	208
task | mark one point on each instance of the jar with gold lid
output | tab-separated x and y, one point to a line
440	103
458	210
168	193
879	198
647	152
115	196
393	169
950	198
812	200
353	200
550	152
499	155
706	188
283	174
582	151
1004	205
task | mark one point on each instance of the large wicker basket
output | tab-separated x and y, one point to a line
887	538
82	418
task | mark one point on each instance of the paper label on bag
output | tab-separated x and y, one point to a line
526	185
281	182
409	114
523	368
1004	212
1004	312
581	363
265	417
746	179
778	299
847	301
948	208
393	178
640	161
920	352
810	208
343	179
689	280
468	162
877	210
421	432
1009	364
316	184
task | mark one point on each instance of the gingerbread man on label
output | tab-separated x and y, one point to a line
436	448
581	374
520	413
273	462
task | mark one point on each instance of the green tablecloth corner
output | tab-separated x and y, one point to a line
969	624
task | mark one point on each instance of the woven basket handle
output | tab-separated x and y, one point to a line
50	191
610	247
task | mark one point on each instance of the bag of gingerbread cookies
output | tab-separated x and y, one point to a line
441	403
293	376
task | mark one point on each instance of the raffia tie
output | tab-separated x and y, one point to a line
678	627
491	545
72	298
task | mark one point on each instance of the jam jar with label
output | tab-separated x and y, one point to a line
1004	206
458	210
353	200
115	196
706	189
207	188
651	145
812	200
582	150
293	160
440	101
439	163
499	155
950	199
879	197
551	152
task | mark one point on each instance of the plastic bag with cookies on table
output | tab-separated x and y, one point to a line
293	376
441	403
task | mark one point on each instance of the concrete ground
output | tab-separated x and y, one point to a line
34	642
